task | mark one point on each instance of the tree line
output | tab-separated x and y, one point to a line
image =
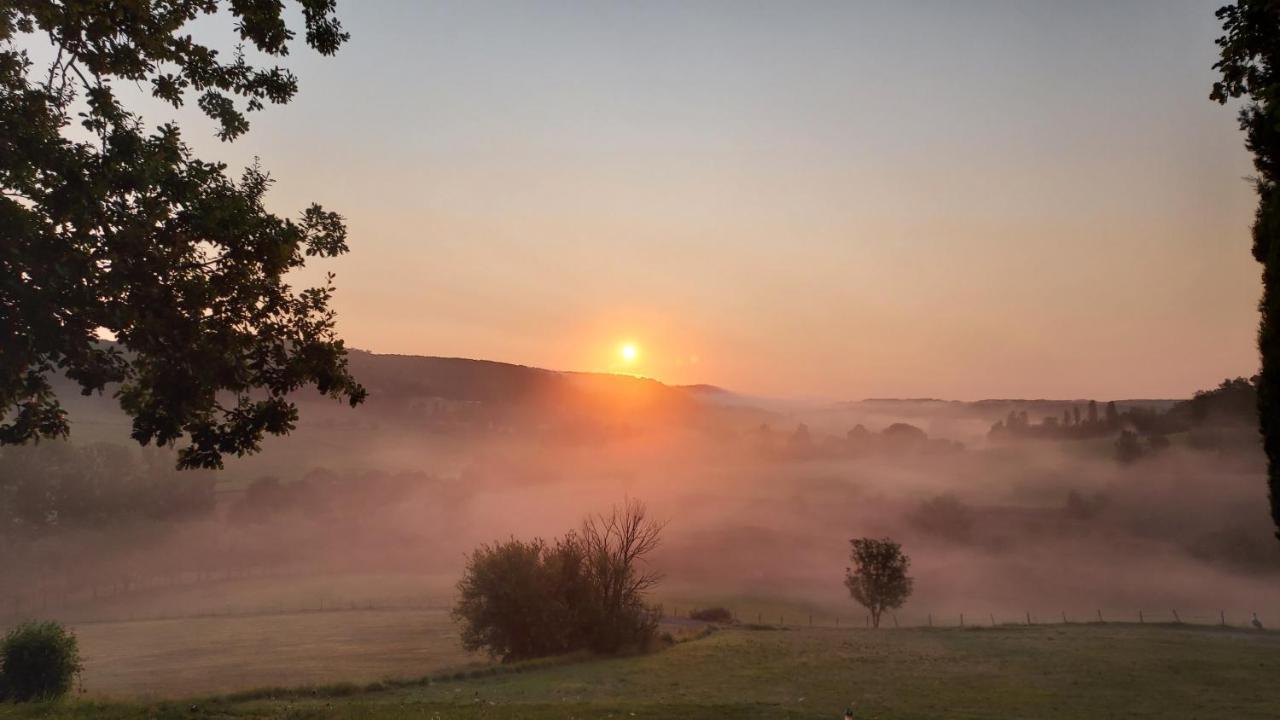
1230	405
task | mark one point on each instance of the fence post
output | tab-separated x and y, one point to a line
930	619
961	619
1222	616
1175	616
1064	617
1100	616
1141	621
895	620
993	619
1028	617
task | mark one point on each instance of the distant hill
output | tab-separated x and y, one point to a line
410	380
441	393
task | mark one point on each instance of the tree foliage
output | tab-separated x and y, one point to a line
586	591
1249	60
878	579
113	230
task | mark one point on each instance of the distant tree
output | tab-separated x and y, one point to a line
713	615
113	231
1113	414
857	437
262	499
58	485
1250	68
1128	447
1093	412
905	433
1157	443
878	579
801	441
1066	418
1234	400
1080	507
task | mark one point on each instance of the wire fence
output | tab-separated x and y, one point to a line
17	608
1220	617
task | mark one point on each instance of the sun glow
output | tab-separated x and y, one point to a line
628	352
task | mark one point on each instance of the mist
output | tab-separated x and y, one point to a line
383	503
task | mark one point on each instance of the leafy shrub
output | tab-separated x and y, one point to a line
38	661
521	600
713	615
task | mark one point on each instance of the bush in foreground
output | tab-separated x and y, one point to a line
586	591
38	661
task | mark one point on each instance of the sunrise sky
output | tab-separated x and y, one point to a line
840	200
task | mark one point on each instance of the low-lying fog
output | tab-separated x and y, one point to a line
758	509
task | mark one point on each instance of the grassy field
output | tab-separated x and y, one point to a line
194	656
225	635
1070	671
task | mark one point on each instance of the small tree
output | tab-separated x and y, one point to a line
38	661
878	579
617	548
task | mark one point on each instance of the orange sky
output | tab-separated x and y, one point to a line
954	200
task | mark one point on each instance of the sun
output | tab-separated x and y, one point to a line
628	352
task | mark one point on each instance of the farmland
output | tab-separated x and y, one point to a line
1063	671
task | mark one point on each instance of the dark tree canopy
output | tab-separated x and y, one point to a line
112	230
878	579
1250	58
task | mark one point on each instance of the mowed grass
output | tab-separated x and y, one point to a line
194	656
1069	671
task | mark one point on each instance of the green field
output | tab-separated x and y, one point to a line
1068	671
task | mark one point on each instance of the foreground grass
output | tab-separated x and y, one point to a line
1073	671
187	657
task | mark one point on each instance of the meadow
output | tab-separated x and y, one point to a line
1060	672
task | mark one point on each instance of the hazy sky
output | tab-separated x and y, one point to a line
949	199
